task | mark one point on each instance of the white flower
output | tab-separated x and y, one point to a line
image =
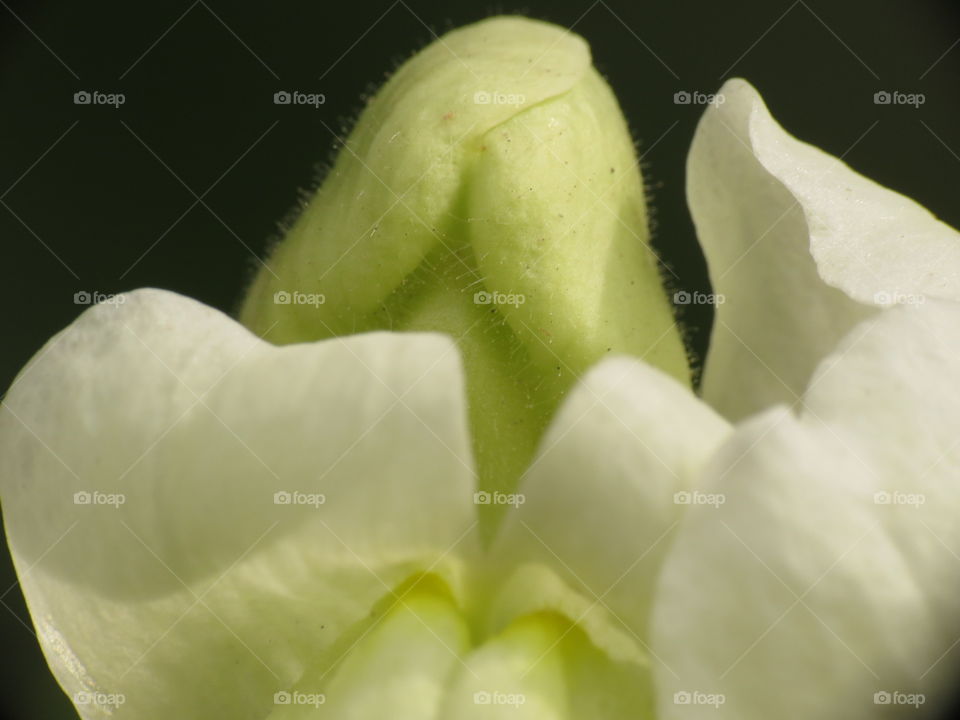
207	525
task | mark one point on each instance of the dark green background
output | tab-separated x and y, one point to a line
201	99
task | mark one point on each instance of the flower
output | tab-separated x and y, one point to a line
206	524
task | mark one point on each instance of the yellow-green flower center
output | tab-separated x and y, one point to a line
421	654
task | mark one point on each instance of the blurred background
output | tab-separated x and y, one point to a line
184	184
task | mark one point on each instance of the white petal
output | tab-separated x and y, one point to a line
200	596
801	248
396	667
600	500
518	674
809	590
543	668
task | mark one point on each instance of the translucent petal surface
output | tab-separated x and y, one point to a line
615	472
830	573
195	514
801	247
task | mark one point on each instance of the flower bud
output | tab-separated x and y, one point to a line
490	191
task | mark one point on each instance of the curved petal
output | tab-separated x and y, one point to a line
801	248
175	489
614	472
829	574
397	666
542	667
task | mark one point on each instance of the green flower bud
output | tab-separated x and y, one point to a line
490	191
